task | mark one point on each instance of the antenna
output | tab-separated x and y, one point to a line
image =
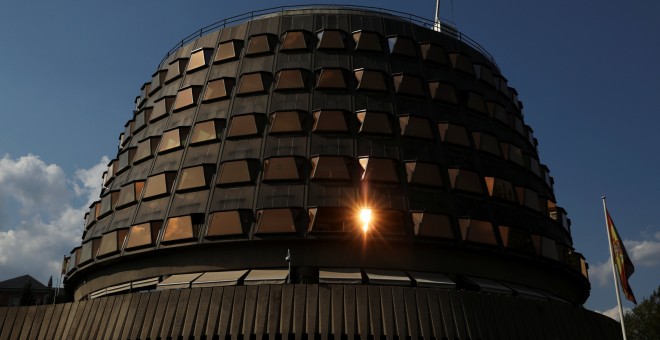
436	25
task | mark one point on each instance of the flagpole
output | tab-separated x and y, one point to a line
616	282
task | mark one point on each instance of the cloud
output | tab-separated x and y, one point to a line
47	223
614	312
601	273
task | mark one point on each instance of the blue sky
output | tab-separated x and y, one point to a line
586	71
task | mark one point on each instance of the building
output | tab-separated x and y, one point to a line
12	290
326	172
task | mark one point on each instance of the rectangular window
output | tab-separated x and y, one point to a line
229	223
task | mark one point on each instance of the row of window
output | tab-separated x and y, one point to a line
321	168
327	40
188	228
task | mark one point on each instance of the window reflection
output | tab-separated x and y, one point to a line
330	40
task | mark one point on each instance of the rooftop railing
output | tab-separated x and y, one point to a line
447	27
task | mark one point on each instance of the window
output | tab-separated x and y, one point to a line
516	239
465	180
367	41
175	69
294	41
512	153
217	89
187	97
229	223
370	80
476	103
252	83
462	63
500	188
157	80
158	185
243	171
330	40
329	121
85	253
161	108
287	122
206	131
331	219
290	79
129	131
179	228
330	168
111	242
498	112
487	143
248	125
228	50
484	73
199	59
443	92
277	221
529	198
424	174
142	117
402	46
387	222
406	84
454	134
477	231
534	166
195	177
283	169
130	193
141	235
108	202
330	79
146	149
173	139
379	170
434	53
432	225
372	122
415	127
261	44
126	159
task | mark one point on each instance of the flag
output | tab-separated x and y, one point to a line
621	259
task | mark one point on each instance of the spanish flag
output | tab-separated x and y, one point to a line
621	259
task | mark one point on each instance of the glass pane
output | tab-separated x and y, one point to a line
225	223
178	228
379	169
432	225
276	221
443	92
251	83
367	41
370	80
294	40
286	122
434	53
218	89
330	39
402	46
156	185
235	172
331	78
424	174
204	131
477	231
465	180
416	127
192	178
242	126
375	122
170	140
227	50
259	44
406	84
199	59
331	219
108	244
281	168
290	80
455	134
330	168
329	121
476	103
139	235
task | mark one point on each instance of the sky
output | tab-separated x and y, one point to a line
587	73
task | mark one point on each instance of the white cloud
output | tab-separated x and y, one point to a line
47	224
614	312
601	273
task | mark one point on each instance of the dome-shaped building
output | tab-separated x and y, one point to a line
335	172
